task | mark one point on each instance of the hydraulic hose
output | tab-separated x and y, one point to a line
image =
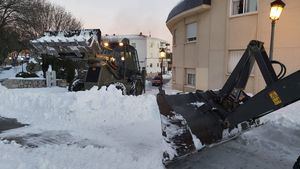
282	72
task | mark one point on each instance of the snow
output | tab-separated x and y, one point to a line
82	36
126	136
198	104
104	129
12	72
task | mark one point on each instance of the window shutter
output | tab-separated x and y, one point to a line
191	32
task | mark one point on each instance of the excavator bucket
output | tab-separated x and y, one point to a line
188	123
192	121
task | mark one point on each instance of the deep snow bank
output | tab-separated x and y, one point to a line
110	131
64	110
117	131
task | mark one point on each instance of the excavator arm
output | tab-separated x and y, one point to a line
213	117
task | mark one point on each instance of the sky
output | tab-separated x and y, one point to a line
123	16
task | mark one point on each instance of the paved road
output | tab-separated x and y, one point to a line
7	124
266	150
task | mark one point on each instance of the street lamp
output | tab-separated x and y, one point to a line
162	55
276	10
22	59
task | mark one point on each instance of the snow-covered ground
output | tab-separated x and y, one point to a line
106	130
89	130
11	73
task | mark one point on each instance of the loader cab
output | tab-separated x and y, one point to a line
99	74
124	56
117	64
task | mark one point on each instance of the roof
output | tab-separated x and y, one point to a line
186	5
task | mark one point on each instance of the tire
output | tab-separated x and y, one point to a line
76	85
297	164
120	86
139	87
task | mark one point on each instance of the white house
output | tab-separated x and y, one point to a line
148	49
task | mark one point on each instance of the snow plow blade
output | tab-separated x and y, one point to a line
192	121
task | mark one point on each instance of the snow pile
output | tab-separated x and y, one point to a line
118	131
104	129
104	107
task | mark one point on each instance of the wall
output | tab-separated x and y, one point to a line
141	46
206	56
258	26
29	83
218	33
287	35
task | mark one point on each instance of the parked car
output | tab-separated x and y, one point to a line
156	81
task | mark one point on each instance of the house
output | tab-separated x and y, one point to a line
210	36
148	49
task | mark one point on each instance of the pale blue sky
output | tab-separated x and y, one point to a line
123	16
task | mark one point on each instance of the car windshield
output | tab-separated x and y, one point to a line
156	78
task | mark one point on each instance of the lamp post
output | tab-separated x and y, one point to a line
22	59
276	10
162	55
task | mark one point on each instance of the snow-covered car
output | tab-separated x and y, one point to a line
156	81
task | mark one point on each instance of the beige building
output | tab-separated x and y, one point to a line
209	37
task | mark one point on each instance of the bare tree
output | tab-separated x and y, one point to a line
37	16
28	19
63	20
8	11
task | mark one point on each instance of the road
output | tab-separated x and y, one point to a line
7	124
266	147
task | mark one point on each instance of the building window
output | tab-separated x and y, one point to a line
191	32
243	6
150	64
234	58
191	80
157	64
174	37
190	77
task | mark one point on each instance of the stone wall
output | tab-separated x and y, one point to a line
29	83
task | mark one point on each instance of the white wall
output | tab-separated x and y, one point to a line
140	45
148	50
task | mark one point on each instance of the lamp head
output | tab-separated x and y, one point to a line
162	53
276	9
